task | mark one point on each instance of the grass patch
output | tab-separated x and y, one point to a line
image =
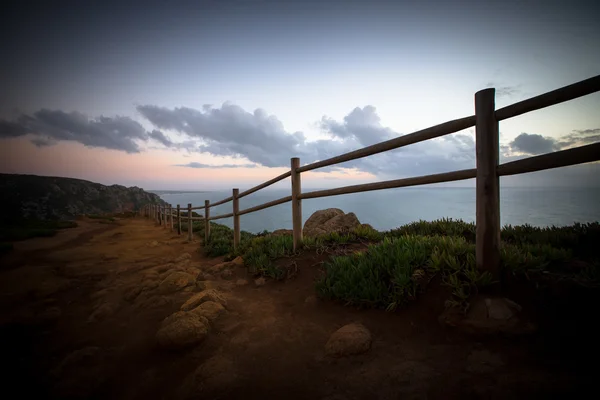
392	273
26	229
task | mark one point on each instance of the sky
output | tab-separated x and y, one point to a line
207	95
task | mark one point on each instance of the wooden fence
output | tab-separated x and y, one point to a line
487	171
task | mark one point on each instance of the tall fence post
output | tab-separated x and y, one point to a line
296	203
190	227
164	217
487	248
206	221
178	219
171	215
236	219
159	215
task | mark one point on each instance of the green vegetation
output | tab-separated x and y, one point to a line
102	217
30	228
391	273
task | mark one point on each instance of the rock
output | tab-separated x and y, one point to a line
350	339
149	284
182	314
208	277
50	314
216	373
175	282
215	269
367	226
182	331
241	282
103	311
227	274
488	315
195	272
210	310
311	301
329	220
238	261
200	285
204	296
153	243
132	293
182	257
154	302
260	281
482	361
281	232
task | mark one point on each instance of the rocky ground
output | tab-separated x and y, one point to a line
133	311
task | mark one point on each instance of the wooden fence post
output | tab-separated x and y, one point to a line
236	219
296	203
206	221
164	217
159	216
190	228
171	215
487	248
178	219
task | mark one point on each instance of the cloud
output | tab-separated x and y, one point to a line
200	165
118	133
262	139
160	137
533	144
504	91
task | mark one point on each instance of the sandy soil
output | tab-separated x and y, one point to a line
80	312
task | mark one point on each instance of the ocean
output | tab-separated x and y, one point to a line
387	209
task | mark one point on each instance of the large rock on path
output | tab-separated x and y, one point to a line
204	296
176	281
350	339
330	220
181	330
210	310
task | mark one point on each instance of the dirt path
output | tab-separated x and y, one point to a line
80	313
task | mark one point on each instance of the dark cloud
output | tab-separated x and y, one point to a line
362	124
533	144
538	144
49	127
160	137
200	165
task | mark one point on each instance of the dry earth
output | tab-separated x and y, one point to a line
81	312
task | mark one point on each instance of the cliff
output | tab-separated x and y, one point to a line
42	197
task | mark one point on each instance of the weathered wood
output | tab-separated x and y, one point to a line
296	202
198	208
164	216
236	219
178	219
206	220
563	158
171	216
396	183
218	203
419	136
487	247
266	205
264	185
190	227
221	216
557	96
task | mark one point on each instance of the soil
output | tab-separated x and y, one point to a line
80	312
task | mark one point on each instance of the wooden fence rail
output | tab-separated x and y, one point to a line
487	172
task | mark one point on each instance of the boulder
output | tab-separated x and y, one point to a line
204	296
210	310
330	220
260	281
488	315
182	330
350	339
176	281
238	261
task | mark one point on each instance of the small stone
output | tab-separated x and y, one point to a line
260	281
221	267
311	301
153	243
239	261
183	257
350	339
227	274
241	282
498	309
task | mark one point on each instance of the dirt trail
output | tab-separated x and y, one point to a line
80	312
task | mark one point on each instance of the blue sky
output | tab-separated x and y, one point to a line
327	77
